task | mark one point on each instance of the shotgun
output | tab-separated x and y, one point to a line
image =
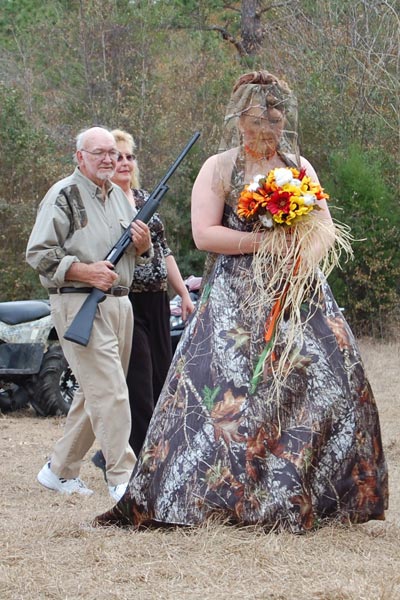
81	327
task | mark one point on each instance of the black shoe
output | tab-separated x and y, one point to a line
99	461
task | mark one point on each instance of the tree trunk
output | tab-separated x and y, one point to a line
251	28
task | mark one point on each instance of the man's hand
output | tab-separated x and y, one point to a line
140	235
98	274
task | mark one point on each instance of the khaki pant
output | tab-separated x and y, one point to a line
100	408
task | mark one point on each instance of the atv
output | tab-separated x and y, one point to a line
33	368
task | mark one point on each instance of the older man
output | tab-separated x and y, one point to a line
78	222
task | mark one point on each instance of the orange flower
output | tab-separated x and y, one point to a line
249	204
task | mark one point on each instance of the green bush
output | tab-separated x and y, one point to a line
362	197
18	280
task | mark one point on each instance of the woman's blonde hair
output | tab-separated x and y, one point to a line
124	136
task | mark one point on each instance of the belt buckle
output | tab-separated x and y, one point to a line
119	290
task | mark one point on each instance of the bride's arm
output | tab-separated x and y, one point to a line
324	212
207	210
322	243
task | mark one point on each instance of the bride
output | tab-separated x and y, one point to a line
266	415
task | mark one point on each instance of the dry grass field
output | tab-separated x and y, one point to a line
49	551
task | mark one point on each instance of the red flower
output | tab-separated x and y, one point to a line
279	202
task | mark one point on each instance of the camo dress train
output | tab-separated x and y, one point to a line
215	446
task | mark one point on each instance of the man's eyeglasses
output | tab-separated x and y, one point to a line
113	154
129	157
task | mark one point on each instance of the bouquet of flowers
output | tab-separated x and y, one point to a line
283	197
285	267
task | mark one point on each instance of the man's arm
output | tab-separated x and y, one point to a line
99	274
45	252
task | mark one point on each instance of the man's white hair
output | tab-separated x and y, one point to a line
82	134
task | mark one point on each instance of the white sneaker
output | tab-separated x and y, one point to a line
66	486
117	491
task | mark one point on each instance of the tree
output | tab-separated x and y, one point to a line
164	68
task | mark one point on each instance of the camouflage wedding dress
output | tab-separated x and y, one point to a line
217	446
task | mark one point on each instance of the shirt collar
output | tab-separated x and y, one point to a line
92	187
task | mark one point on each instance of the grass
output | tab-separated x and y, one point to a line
48	549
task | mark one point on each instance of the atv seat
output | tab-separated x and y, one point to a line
22	311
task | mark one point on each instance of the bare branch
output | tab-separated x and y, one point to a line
228	37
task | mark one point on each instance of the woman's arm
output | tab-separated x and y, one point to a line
176	281
322	243
324	212
207	211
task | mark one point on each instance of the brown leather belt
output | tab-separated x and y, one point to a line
118	290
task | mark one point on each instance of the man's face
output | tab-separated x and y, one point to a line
97	158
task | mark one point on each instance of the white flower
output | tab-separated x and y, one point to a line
296	182
309	199
283	176
255	184
266	221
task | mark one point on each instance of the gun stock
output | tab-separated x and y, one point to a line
81	327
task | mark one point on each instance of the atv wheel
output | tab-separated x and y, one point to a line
13	398
56	384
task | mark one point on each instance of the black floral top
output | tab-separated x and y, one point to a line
152	277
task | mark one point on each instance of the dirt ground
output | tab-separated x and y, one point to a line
49	551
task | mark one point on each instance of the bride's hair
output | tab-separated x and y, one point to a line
262	78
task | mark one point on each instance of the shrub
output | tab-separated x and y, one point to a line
368	286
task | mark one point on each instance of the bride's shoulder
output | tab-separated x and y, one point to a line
311	172
220	164
224	157
224	160
292	160
305	162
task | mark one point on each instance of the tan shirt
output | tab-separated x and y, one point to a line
75	224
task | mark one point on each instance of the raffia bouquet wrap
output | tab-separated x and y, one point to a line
298	247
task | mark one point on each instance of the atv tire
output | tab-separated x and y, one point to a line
56	384
13	398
